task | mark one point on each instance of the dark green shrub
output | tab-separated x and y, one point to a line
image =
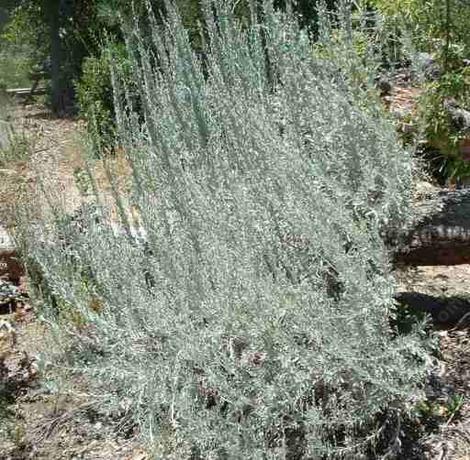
438	110
95	94
439	28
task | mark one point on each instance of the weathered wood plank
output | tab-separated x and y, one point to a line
443	236
24	92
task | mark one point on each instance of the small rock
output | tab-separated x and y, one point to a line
428	66
98	426
5	240
407	128
384	86
460	117
138	454
8	172
400	113
7	290
425	189
10	297
7	332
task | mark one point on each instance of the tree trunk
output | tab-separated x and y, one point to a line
58	13
52	10
443	236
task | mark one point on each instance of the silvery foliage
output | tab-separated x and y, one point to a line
253	319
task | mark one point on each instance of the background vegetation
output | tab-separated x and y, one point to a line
76	59
439	28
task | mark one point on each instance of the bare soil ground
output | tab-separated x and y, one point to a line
39	421
445	430
51	146
55	159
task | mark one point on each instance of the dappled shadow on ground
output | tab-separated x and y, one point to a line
39	114
451	311
440	427
33	112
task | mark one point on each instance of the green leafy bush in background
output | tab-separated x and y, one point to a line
19	48
441	28
14	71
432	23
95	94
443	132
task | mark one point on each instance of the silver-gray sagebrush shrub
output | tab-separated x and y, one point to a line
254	321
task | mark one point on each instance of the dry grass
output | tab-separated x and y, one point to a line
56	154
46	423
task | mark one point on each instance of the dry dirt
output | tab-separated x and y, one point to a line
446	418
37	422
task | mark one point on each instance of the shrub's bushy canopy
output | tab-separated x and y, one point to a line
255	320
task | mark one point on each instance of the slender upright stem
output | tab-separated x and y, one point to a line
447	34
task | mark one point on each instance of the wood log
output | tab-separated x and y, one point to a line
26	92
442	236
